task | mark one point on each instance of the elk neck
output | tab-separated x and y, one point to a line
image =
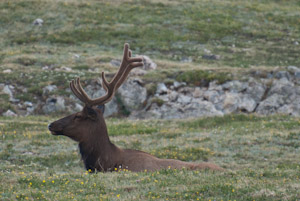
97	151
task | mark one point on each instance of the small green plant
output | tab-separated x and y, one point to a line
158	101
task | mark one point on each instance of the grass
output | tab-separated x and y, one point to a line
244	34
260	155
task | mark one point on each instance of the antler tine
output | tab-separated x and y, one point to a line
75	91
127	65
125	74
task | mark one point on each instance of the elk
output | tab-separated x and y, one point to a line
88	128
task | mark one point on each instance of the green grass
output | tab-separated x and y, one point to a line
244	34
260	155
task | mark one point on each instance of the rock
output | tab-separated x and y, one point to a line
186	59
198	92
297	75
7	90
54	104
231	102
115	62
78	107
177	85
283	74
2	86
138	72
270	105
172	96
111	108
235	86
28	104
283	87
200	108
48	89
256	90
148	63
215	97
211	57
9	113
95	91
247	104
293	69
38	22
161	88
132	94
65	68
183	99
7	71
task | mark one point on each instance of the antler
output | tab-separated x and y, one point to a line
128	63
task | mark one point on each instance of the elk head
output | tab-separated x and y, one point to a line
80	125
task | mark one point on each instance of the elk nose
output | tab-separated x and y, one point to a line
49	126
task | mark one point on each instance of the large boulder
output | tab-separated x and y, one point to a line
132	94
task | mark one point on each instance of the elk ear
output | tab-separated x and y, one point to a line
90	113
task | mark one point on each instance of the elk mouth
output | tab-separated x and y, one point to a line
53	131
56	132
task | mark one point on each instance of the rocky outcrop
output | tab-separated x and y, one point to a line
272	93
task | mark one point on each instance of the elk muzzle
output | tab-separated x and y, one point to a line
54	129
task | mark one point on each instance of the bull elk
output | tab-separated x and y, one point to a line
88	128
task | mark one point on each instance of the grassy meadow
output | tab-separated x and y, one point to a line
260	154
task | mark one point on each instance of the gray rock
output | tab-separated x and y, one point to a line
38	22
9	113
270	105
172	96
111	108
78	107
95	91
215	97
235	86
293	69
231	102
7	71
8	90
297	75
247	104
177	85
161	88
283	74
115	62
28	104
54	104
283	87
198	92
256	90
148	63
211	57
201	108
183	99
48	89
132	94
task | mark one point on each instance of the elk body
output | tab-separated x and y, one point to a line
88	128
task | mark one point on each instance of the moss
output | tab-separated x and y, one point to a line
158	101
202	78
